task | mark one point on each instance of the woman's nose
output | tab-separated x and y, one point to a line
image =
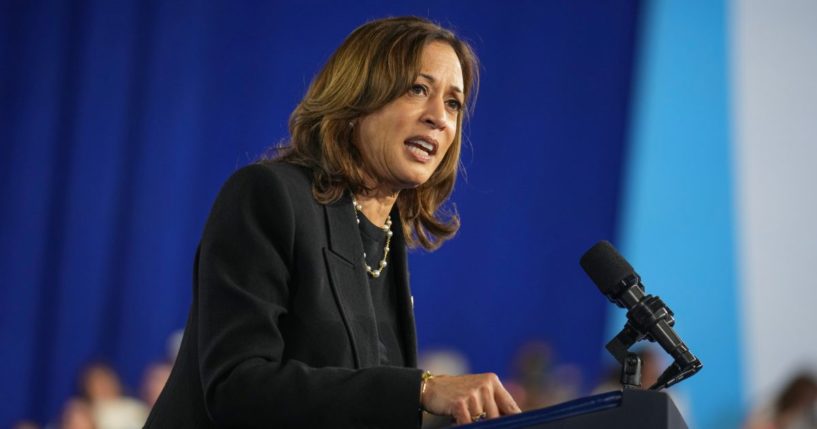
435	114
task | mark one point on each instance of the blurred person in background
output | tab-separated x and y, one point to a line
111	409
795	407
154	381
25	424
302	314
77	414
537	382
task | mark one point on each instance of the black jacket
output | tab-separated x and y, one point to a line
282	330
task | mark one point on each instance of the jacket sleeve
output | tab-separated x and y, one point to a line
243	290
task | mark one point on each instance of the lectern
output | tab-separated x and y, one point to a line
630	409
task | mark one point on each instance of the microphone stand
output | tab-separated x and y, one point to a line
639	321
630	362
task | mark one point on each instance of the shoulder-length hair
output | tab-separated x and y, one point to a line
377	63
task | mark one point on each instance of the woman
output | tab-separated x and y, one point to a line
302	314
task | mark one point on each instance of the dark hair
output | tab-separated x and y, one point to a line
798	394
377	63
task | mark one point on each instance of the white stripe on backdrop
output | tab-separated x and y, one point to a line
774	64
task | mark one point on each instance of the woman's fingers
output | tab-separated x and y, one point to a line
505	402
461	413
468	397
489	405
474	404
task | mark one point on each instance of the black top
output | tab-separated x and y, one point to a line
383	293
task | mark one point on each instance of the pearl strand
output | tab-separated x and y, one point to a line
387	229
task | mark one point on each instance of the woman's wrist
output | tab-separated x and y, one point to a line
424	381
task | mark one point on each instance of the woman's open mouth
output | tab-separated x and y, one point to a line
421	147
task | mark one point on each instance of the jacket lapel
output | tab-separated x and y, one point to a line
349	282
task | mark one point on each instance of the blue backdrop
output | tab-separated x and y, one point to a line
120	120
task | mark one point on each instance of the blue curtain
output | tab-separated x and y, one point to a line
119	120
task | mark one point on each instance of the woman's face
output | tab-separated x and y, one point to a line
403	142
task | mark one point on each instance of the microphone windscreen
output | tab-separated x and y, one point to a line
605	266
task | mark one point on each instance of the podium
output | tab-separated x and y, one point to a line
631	409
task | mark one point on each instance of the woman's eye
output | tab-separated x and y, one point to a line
418	89
454	105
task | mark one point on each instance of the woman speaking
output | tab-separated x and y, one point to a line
302	314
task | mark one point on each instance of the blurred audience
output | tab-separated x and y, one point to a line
111	409
173	344
444	361
102	403
154	381
795	407
77	414
537	382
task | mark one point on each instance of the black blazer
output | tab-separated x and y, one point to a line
282	331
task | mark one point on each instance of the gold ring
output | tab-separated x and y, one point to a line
478	417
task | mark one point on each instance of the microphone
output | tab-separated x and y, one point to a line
647	316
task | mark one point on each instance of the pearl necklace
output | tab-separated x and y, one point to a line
387	229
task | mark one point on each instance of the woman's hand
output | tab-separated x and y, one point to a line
467	397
